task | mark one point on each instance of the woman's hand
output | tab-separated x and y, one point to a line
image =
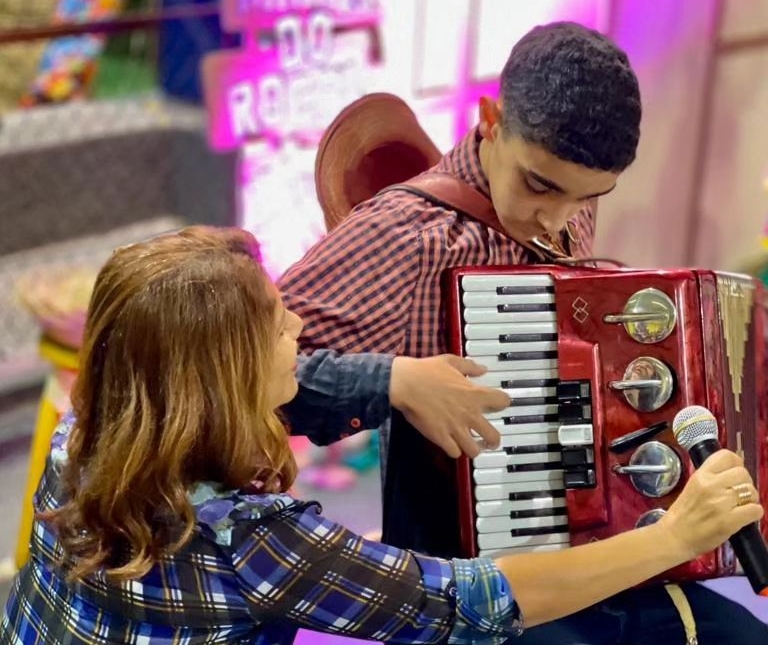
706	513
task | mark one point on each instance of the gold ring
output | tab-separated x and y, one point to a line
743	494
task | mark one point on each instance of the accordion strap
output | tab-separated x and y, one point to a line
452	193
686	614
455	194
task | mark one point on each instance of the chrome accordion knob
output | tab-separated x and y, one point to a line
650	517
648	317
654	469
647	384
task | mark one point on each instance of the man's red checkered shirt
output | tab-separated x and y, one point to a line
373	283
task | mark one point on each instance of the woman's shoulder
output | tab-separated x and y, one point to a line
220	510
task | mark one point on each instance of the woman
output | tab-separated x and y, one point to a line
164	516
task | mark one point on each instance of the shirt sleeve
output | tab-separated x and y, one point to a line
339	395
354	288
316	574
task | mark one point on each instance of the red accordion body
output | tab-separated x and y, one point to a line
597	363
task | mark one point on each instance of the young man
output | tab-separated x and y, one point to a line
566	124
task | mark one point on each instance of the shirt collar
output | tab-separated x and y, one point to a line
463	161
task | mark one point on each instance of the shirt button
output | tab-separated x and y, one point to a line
355	423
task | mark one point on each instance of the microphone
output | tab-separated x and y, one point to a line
695	429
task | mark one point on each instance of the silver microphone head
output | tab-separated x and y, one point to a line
693	425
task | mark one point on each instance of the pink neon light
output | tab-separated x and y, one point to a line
240	16
271	89
243	96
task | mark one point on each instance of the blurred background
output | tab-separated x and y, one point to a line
110	133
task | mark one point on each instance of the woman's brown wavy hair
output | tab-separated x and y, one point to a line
172	390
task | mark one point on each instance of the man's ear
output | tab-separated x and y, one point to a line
490	115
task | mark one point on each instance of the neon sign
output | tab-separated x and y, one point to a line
300	64
240	16
289	78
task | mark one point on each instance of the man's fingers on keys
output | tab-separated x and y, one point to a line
489	436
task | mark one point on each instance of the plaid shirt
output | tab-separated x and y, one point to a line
258	568
373	283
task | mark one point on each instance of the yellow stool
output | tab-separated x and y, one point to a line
64	361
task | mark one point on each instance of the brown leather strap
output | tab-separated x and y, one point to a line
452	193
457	195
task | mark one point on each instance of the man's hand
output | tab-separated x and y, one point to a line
443	405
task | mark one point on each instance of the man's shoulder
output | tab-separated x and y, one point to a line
397	206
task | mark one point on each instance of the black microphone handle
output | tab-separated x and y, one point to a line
700	451
747	543
750	549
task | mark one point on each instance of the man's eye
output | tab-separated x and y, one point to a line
535	187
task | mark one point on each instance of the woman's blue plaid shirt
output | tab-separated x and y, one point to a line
258	568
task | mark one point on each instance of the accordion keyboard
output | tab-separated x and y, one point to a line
510	327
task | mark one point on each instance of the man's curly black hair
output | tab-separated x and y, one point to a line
572	91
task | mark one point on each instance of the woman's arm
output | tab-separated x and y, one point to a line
551	585
317	574
340	394
310	572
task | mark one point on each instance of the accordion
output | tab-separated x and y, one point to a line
597	362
